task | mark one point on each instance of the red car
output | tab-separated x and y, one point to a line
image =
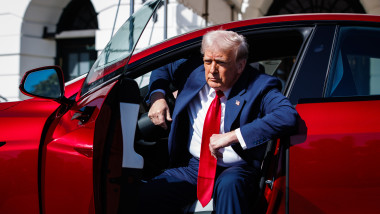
86	146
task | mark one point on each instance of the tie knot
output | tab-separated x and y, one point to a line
219	94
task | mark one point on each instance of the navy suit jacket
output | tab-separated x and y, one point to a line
255	105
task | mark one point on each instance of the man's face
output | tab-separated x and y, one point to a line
221	68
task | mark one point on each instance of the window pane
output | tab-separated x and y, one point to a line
84	64
356	65
73	65
79	63
375	76
313	65
111	61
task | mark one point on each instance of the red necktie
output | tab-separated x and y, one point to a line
207	163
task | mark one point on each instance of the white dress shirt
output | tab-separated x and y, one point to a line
197	111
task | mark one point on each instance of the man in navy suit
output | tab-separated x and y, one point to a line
253	112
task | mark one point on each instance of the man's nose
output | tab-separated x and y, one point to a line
214	67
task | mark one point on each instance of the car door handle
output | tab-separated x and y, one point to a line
84	114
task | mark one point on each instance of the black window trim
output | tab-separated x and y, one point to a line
332	54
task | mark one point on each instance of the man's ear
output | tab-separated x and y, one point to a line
241	65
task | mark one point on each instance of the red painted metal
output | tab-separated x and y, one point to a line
73	87
275	196
21	126
67	175
334	167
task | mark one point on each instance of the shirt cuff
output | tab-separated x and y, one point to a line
154	91
240	138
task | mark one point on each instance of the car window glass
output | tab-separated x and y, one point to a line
114	57
310	75
356	64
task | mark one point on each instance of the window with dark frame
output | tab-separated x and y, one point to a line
76	55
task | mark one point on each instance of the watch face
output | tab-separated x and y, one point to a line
315	6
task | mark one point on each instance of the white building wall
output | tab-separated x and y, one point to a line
10	20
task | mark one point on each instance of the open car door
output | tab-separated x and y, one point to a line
72	161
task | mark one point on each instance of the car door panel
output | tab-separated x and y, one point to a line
116	164
21	127
333	164
68	158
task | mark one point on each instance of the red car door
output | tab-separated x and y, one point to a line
21	125
67	174
333	166
67	158
334	161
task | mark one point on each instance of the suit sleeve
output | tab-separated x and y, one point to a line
173	74
161	78
277	117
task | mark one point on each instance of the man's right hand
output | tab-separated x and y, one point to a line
159	111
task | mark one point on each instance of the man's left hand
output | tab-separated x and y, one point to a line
218	141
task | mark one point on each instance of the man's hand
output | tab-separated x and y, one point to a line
159	111
218	141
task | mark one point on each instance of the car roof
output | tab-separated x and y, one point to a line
311	18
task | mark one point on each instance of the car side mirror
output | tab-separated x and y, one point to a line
45	82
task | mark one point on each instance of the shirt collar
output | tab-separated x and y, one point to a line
211	91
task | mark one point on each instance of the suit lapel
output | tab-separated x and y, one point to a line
236	100
233	106
191	88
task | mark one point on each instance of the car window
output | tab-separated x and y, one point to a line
356	63
114	57
309	79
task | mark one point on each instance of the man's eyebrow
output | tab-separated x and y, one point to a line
220	59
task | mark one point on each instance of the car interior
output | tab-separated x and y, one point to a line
116	187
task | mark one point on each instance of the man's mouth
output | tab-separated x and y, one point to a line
214	79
